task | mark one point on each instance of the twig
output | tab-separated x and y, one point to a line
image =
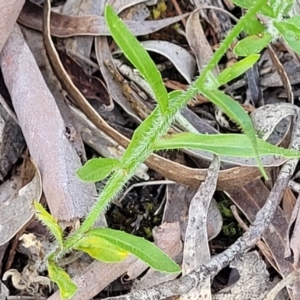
243	244
260	244
238	218
179	11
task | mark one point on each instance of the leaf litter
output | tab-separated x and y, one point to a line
71	129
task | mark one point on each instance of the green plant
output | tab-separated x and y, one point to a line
111	245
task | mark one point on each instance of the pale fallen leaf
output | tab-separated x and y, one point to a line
31	16
197	41
16	206
196	249
267	117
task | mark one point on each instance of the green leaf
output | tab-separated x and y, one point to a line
97	169
211	81
294	21
174	94
265	9
141	248
100	249
252	44
67	287
237	114
254	27
48	220
282	7
237	145
137	55
237	69
290	33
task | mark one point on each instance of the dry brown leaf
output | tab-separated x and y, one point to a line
197	41
66	26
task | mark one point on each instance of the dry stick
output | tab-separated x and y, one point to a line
179	11
243	244
260	244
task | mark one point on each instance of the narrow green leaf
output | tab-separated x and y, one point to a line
237	114
48	220
97	169
290	33
100	249
139	247
237	69
252	44
67	288
236	145
137	55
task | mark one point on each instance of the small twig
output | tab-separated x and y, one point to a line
179	11
295	186
260	244
238	218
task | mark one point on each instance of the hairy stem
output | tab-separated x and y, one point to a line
137	153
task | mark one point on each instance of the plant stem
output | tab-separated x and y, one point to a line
137	154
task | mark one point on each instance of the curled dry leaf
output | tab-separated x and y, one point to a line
16	206
28	280
267	117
